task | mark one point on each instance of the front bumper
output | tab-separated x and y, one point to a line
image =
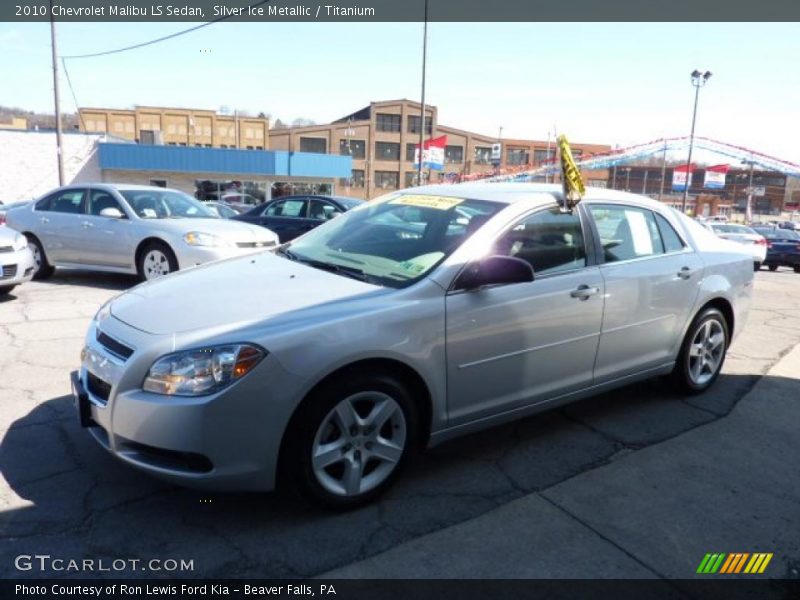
224	441
191	256
16	267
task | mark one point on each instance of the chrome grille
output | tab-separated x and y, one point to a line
9	271
255	244
113	347
6	249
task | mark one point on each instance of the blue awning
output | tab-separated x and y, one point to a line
142	157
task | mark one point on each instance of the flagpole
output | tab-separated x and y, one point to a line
422	102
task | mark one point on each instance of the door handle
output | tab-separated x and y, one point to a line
685	273
44	220
87	225
584	292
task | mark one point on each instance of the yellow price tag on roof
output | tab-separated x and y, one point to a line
437	202
571	175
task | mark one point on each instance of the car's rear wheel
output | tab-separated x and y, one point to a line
702	353
757	266
773	267
349	440
41	268
156	260
797	268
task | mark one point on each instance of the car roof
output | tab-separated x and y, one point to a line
509	193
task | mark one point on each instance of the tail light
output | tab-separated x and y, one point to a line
769	244
2	218
762	242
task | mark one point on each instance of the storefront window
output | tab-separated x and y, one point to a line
280	189
246	192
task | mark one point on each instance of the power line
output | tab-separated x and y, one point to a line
161	39
72	91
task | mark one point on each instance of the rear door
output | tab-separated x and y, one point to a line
59	223
651	280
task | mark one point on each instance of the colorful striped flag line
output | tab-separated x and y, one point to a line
736	562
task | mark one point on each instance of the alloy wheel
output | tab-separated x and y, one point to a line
156	264
706	351
359	443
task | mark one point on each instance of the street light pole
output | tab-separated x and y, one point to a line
422	111
59	146
748	213
698	80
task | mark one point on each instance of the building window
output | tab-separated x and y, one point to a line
249	147
387	180
356	180
411	179
259	147
386	122
517	156
317	145
413	124
354	148
454	154
411	151
483	155
387	151
159	182
540	156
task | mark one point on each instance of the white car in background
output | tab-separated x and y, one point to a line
143	230
755	243
16	260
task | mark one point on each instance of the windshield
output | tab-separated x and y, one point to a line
393	241
732	229
167	204
779	234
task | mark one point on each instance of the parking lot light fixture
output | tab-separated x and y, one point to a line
698	80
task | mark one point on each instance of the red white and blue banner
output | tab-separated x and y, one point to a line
679	177
432	153
715	177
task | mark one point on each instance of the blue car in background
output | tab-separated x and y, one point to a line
292	216
783	248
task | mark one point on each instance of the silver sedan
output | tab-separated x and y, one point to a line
427	314
16	260
148	231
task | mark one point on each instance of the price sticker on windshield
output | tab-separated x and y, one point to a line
435	202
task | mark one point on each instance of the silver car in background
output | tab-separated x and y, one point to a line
424	315
143	230
16	260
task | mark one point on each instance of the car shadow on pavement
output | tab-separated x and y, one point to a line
96	279
70	498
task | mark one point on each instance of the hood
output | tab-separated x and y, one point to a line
235	231
231	292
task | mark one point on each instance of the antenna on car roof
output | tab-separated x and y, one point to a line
570	176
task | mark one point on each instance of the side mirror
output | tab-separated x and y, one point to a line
495	270
112	213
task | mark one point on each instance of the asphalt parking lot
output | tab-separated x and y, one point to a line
552	476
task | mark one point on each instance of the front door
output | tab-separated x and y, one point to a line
107	241
510	346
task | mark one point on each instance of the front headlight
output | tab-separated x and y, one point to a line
103	312
199	238
20	242
201	371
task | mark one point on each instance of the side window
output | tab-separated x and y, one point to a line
322	210
99	200
551	241
627	232
69	201
672	241
46	203
287	208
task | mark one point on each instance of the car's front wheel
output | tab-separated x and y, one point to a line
6	290
702	353
773	267
156	260
757	266
349	440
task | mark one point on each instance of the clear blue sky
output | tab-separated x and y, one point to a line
603	83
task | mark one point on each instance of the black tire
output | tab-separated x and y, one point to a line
42	269
682	375
756	266
296	469
797	268
170	262
773	267
6	290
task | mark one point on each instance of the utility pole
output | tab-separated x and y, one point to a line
663	172
59	146
698	80
748	215
422	102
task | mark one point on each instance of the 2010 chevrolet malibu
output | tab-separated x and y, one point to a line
424	315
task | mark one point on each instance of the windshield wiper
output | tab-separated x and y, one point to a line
351	272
